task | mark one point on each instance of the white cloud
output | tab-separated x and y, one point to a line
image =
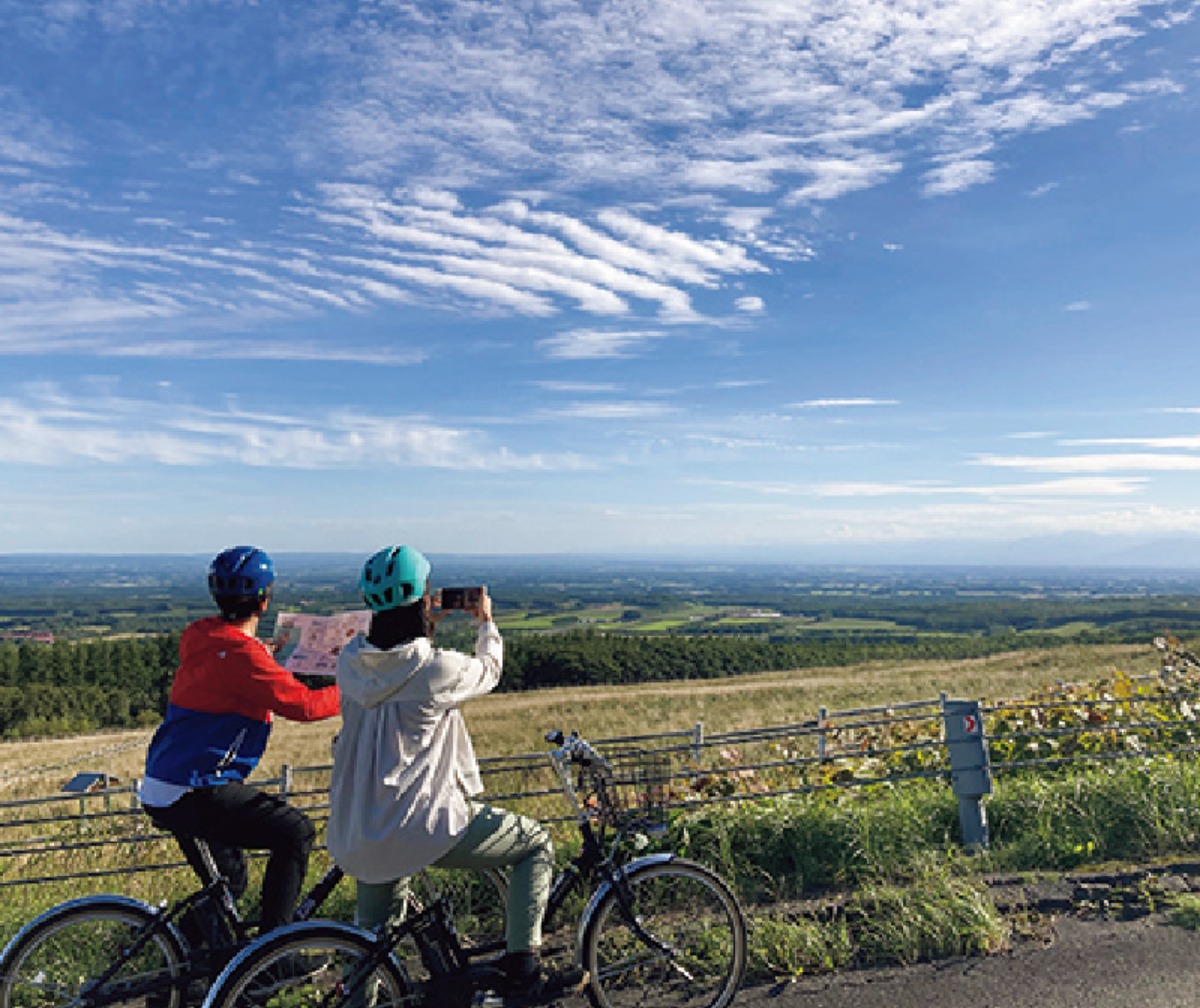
1183	442
808	404
605	267
576	387
1078	306
1143	462
595	344
956	175
750	305
1083	487
614	410
580	95
53	429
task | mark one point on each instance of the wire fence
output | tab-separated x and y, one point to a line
103	833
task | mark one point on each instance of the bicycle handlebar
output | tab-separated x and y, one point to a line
573	748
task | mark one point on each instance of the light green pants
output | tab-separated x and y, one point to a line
494	839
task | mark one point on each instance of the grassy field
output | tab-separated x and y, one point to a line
505	723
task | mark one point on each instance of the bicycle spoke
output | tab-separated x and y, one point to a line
685	948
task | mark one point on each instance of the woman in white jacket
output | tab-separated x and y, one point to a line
404	770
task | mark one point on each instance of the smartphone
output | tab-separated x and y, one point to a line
460	598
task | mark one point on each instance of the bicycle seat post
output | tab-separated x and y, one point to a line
215	913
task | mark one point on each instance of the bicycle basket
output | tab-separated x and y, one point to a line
635	794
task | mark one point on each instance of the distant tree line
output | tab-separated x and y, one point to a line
588	657
67	688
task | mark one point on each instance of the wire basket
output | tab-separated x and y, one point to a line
635	792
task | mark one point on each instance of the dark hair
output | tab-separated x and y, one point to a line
399	625
239	608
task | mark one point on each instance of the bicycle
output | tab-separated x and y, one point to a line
104	950
657	930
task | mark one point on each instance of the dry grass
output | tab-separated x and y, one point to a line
505	723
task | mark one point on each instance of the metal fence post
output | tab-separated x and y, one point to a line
697	742
285	780
822	726
970	768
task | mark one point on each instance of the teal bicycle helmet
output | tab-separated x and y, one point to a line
395	576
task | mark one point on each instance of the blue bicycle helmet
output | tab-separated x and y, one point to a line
241	571
395	576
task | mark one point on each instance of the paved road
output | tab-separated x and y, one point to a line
1146	963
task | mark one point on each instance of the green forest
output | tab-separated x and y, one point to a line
70	687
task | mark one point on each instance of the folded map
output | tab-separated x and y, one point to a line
310	645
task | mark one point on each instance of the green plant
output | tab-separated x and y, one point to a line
1186	911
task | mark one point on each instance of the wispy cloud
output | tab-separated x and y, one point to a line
1073	487
809	404
51	428
744	106
614	410
576	388
595	344
1085	487
1131	462
1187	442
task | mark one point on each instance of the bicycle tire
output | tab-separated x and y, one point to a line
54	958
691	911
309	963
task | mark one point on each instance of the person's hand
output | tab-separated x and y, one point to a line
434	612
483	611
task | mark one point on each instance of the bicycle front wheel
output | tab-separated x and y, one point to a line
683	947
56	960
313	963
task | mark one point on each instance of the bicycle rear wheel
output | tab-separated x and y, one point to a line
312	963
55	959
696	953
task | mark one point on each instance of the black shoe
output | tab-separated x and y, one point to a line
543	988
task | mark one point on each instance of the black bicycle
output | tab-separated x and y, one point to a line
104	950
657	930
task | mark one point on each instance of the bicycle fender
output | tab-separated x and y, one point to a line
602	890
82	902
297	928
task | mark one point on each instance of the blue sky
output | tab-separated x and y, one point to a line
754	277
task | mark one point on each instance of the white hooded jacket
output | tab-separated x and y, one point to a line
403	765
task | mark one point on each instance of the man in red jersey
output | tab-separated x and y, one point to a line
226	690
